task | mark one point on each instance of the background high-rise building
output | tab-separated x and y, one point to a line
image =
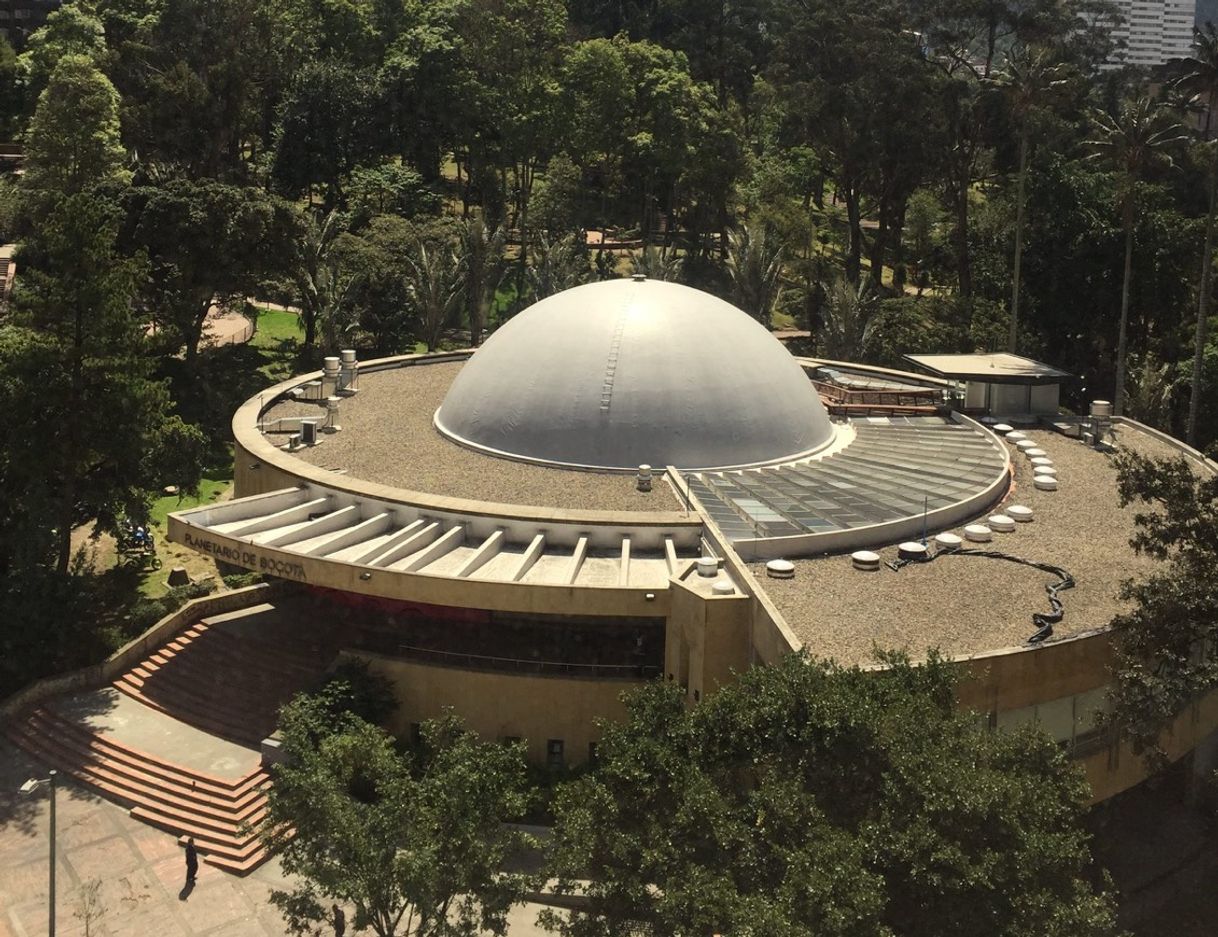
19	18
1155	31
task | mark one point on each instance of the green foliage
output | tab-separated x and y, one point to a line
91	432
807	799
147	612
1165	645
754	266
414	840
72	29
73	142
351	687
207	242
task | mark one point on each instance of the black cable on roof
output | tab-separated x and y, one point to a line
1044	621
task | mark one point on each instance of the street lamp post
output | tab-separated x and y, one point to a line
30	787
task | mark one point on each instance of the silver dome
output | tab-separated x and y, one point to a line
625	372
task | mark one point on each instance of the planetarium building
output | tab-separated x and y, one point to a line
633	480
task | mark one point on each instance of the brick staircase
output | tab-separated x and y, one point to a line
223	815
225	683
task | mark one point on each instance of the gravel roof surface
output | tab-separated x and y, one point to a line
964	605
388	437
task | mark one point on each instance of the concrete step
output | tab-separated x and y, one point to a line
176	785
225	845
236	788
134	793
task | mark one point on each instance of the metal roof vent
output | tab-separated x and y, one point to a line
723	587
978	533
780	569
912	550
865	560
643	479
1001	523
708	567
948	541
1019	513
1045	482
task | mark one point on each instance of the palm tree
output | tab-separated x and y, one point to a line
1131	143
322	285
1028	81
1200	82
558	265
657	263
754	264
848	318
483	265
435	283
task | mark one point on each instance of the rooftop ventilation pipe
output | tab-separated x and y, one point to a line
348	375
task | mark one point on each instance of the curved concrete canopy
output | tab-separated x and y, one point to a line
625	372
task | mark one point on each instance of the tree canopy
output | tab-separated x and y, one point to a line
808	799
414	839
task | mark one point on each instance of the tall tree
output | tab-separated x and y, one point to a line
1027	80
435	285
105	432
1131	142
322	281
810	800
415	841
482	264
1200	80
754	266
1164	656
73	143
207	242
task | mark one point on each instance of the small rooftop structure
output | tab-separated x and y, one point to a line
1000	384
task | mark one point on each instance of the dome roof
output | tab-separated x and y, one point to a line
625	372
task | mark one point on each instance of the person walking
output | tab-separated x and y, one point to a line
340	921
192	861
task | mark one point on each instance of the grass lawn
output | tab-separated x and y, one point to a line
215	486
277	339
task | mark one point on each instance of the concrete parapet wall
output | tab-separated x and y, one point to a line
138	649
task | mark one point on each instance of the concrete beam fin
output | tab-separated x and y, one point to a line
670	555
242	510
412	544
335	520
364	530
483	555
406	532
281	518
531	554
452	538
623	573
577	560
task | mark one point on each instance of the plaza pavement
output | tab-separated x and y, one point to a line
141	870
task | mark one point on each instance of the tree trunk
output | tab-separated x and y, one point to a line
899	274
1013	334
1118	397
854	257
1203	308
964	266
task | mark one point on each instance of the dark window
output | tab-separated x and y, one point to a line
554	756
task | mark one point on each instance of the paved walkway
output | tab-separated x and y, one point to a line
141	871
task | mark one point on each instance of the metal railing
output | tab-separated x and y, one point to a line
528	665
